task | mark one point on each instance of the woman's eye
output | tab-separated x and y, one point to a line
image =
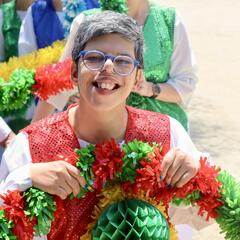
123	62
93	58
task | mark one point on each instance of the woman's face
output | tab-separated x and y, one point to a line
104	89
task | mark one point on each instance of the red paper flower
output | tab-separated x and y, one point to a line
209	204
148	175
108	162
14	210
52	79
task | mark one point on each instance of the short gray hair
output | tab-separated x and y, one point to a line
108	22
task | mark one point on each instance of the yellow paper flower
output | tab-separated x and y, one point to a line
48	55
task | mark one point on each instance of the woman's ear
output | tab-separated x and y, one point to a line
138	79
74	73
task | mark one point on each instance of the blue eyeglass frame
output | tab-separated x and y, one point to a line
108	56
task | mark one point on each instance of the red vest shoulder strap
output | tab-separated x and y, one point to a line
51	136
148	127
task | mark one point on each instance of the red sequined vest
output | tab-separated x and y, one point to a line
54	135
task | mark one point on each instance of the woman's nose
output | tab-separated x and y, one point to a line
108	65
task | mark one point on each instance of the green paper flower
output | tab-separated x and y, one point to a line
135	151
229	213
114	5
42	206
131	219
16	93
6	227
84	164
188	200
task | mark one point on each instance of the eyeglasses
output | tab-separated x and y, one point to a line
94	60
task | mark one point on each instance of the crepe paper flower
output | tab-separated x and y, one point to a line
6	226
48	55
107	164
14	207
52	79
229	213
16	93
40	206
148	177
85	162
134	152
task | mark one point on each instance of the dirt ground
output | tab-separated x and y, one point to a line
214	30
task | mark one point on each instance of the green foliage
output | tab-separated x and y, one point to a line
135	151
6	227
229	213
114	5
42	206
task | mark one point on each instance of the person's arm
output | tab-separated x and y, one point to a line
14	167
185	214
6	134
42	110
18	172
183	72
182	75
27	42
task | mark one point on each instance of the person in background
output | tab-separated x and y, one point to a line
11	14
169	65
107	65
47	21
41	26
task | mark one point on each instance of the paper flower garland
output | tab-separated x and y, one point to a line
48	55
43	82
120	174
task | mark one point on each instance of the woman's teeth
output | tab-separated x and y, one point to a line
108	86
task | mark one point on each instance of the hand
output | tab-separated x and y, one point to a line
8	140
58	177
178	168
143	87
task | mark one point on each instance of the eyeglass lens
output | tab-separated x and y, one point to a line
122	65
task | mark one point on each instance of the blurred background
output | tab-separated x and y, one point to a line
214	30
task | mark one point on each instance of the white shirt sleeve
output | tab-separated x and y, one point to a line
182	75
27	42
180	139
14	167
4	130
185	214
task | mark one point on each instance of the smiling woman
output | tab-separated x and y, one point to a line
110	82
